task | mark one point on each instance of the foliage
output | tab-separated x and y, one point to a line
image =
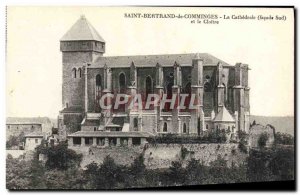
284	138
243	141
59	156
261	165
218	136
262	140
184	152
15	141
177	173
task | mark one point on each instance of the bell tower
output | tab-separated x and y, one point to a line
79	46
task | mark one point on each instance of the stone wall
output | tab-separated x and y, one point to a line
121	155
162	155
17	129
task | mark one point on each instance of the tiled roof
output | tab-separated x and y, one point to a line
72	109
152	60
27	120
110	134
82	30
224	116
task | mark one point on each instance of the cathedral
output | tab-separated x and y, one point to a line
222	90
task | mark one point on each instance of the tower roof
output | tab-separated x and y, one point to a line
82	30
224	116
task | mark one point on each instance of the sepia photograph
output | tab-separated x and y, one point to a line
122	98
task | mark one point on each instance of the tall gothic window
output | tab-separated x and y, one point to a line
98	92
135	122
184	128
149	86
98	80
79	72
74	73
207	87
122	83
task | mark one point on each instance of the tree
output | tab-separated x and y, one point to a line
59	156
109	174
177	173
17	174
284	138
195	172
262	140
14	140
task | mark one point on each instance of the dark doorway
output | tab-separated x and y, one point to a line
136	141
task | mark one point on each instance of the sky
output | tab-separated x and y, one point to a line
34	62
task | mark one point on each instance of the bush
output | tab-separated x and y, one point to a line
59	156
284	138
262	140
15	141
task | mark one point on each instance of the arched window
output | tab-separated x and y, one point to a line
98	92
184	128
206	126
207	87
79	72
122	83
74	73
225	97
169	90
149	86
135	122
165	129
98	80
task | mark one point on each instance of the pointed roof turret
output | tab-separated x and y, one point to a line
224	116
82	30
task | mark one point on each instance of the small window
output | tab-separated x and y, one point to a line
135	122
36	141
165	129
67	105
17	127
223	75
102	46
8	126
206	126
95	128
184	128
79	72
74	73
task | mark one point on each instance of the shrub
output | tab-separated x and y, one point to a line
284	138
59	156
262	140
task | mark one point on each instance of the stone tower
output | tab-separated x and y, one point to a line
81	45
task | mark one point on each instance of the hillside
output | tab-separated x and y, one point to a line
284	124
